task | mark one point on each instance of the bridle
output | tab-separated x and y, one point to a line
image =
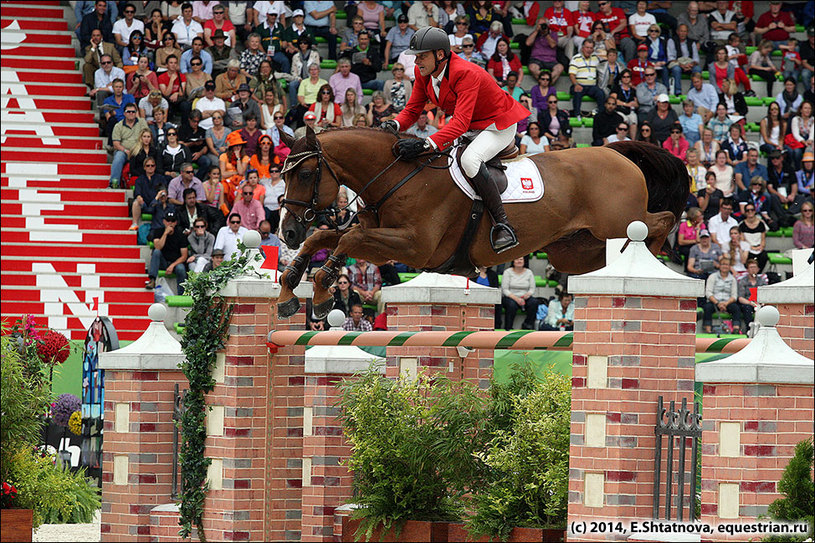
311	212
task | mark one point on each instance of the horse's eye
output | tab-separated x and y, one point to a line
304	174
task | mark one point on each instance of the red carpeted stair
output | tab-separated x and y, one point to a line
67	254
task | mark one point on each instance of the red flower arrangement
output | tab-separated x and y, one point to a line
53	348
9	493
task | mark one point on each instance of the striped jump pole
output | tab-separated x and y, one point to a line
523	340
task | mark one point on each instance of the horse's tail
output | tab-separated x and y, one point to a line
666	177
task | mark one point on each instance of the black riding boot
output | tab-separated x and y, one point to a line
502	236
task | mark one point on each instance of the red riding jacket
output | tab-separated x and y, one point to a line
468	95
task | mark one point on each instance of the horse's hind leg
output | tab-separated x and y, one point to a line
659	227
580	252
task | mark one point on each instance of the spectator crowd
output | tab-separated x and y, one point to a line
193	98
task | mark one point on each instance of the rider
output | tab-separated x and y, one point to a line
472	100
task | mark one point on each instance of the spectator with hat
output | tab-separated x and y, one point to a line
398	40
639	64
662	118
309	118
703	257
169	253
208	105
221	53
215	260
241	106
296	32
234	164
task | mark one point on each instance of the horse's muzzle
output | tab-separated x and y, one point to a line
293	233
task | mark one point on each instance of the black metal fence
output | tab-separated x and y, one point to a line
683	429
178	413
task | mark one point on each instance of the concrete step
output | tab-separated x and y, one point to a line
70	195
99	222
47	62
73	156
54	77
99	251
64	264
32	141
132	281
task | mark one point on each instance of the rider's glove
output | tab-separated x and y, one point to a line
409	149
391	126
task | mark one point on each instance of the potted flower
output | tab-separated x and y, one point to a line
413	454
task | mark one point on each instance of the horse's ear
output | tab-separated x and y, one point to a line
286	139
311	137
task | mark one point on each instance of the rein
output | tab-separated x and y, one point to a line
311	212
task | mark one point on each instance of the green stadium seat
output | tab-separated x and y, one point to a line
367	92
328	64
340	15
178	301
768	100
526	70
588	122
778	258
776	234
787	230
563	95
574	122
705	75
753	101
407	276
151	245
517	21
750	49
162	273
179	328
674	99
146	217
581	145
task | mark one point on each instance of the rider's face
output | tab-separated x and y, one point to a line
425	62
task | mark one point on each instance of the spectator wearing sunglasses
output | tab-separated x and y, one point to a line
229	236
469	53
202	242
620	133
398	39
123	28
248	209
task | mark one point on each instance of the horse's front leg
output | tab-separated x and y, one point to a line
323	301
288	304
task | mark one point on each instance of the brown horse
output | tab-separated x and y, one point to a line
591	195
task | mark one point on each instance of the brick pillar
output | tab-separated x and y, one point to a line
795	300
634	340
255	425
164	523
326	480
434	302
138	452
757	405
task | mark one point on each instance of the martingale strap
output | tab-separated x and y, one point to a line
459	262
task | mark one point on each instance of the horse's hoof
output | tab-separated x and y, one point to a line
322	309
288	308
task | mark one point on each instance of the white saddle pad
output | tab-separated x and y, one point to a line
524	183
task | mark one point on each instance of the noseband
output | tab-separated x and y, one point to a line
311	212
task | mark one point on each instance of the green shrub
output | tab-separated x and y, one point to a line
799	492
414	445
55	494
22	403
528	461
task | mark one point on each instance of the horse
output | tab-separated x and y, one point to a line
416	215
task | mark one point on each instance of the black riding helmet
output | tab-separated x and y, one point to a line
429	38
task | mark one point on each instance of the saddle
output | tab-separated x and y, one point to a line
494	165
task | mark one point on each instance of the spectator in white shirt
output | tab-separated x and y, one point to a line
229	236
186	28
208	105
124	27
103	79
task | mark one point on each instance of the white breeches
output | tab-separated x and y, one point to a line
488	143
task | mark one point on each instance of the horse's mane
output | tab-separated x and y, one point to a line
369	128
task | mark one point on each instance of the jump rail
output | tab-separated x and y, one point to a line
526	340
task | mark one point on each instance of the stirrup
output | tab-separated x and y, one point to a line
506	245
